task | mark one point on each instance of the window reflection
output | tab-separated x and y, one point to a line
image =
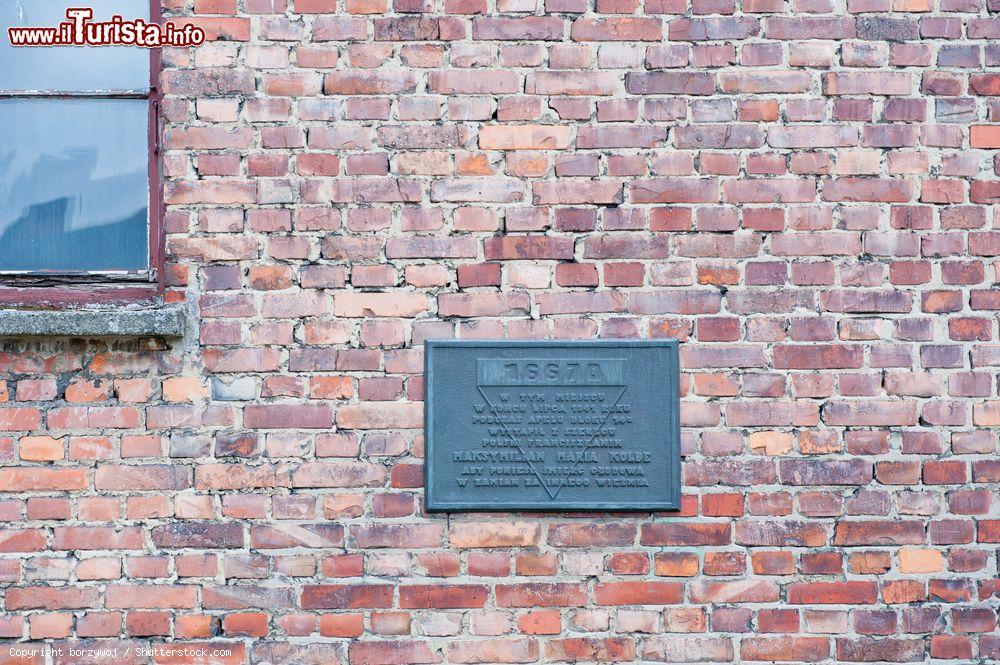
70	68
73	185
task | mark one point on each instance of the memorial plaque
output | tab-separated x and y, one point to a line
552	425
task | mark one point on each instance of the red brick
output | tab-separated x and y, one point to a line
508	650
346	596
638	593
594	649
408	652
591	535
870	650
850	593
537	594
442	596
799	649
685	534
740	591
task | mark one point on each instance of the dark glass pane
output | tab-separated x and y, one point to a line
74	185
70	68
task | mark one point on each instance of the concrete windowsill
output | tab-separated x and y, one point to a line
165	321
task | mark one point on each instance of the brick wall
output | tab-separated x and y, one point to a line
803	193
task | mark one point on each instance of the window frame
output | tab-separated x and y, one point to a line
68	289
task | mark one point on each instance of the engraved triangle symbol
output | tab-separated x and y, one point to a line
517	432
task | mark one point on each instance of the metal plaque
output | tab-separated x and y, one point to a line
552	425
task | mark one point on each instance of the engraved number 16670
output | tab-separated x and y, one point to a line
552	372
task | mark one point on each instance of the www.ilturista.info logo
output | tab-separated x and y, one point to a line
80	30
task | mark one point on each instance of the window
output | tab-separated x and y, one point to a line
78	187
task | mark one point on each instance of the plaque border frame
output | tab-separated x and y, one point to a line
668	347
